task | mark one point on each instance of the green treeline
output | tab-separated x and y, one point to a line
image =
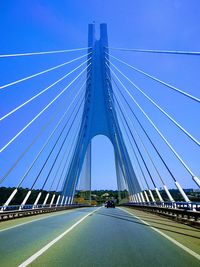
97	195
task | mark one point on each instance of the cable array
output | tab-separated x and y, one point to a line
59	154
126	121
156	79
43	110
60	146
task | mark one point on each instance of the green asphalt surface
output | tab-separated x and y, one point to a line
108	237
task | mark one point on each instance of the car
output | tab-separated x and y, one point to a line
110	204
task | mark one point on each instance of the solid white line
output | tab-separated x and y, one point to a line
188	250
50	244
39	219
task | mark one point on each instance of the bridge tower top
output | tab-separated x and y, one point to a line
92	34
99	118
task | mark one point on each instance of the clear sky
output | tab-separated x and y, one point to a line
28	26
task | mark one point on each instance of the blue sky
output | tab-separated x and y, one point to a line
28	26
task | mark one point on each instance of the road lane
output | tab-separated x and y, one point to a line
184	234
19	243
111	237
9	224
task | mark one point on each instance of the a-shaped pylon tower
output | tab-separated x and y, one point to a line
99	118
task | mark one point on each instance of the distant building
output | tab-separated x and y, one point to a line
105	195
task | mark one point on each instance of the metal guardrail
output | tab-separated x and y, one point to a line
182	214
17	213
31	206
195	206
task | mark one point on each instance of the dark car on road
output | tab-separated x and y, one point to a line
110	204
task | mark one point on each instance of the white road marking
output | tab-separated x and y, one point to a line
188	250
50	244
45	217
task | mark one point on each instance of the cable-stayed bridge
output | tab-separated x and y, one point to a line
54	156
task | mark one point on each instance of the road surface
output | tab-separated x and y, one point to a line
96	237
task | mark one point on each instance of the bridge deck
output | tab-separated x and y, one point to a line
108	237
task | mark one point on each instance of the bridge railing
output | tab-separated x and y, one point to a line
182	212
195	206
31	206
13	212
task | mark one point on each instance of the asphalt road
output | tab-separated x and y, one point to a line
88	237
